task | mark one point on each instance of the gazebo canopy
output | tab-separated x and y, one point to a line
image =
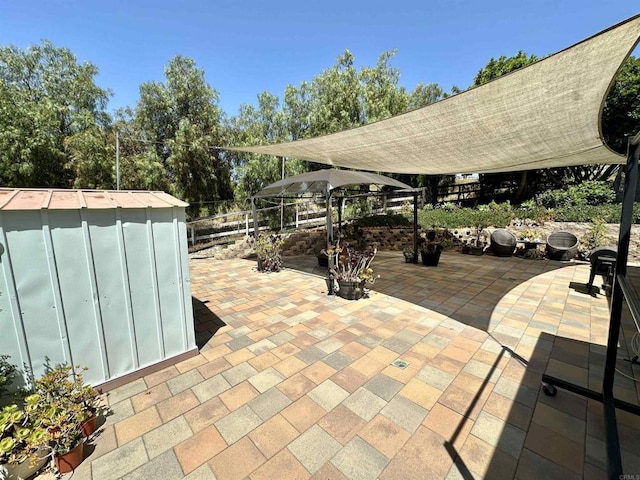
325	181
544	115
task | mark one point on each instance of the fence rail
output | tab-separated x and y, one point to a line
300	214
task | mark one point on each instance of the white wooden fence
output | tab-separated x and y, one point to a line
307	214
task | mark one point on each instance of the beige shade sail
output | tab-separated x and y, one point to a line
541	116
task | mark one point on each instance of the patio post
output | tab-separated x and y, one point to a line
415	227
619	295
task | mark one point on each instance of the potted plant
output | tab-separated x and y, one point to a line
408	254
64	431
431	247
349	270
23	441
68	409
478	245
267	248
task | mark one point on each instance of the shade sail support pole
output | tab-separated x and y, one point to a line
415	227
622	292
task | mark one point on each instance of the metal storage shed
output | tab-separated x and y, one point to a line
95	278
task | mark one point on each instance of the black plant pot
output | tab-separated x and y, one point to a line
323	260
431	259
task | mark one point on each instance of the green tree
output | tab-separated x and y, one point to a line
381	95
50	110
179	124
525	180
621	114
425	94
503	65
255	126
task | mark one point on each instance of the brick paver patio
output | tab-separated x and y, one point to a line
292	383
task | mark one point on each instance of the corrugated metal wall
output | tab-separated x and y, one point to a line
103	288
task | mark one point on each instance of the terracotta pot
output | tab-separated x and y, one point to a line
69	461
89	426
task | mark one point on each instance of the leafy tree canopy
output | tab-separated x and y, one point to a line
50	114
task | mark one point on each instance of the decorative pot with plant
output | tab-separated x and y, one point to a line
63	422
430	245
67	405
24	445
478	245
349	270
267	248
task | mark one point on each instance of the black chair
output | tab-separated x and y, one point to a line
603	262
562	246
503	242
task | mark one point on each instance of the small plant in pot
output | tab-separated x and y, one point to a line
408	254
63	422
349	270
24	445
267	248
68	409
479	243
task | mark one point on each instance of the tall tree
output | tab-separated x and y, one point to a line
495	68
382	97
179	123
425	94
621	114
503	65
46	99
255	126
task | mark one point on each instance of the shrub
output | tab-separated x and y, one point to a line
8	373
358	208
587	193
390	219
592	193
596	235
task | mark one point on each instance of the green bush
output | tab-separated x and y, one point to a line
587	193
358	208
500	215
463	217
388	220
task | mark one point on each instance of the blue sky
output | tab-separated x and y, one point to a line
249	46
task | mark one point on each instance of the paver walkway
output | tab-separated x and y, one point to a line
294	384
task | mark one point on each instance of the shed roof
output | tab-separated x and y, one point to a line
59	199
544	115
